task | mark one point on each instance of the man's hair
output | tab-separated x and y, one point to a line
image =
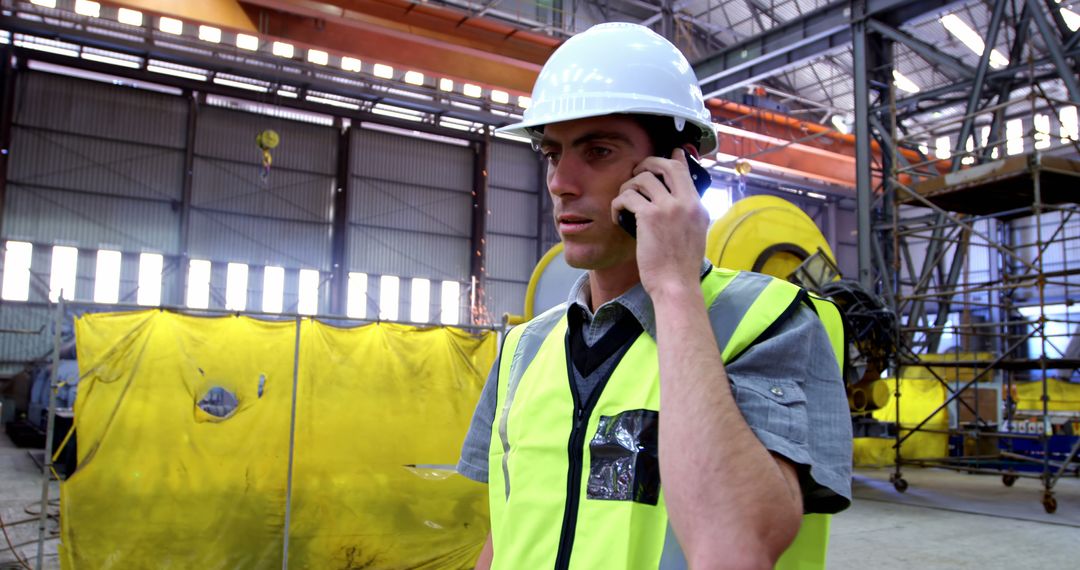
663	135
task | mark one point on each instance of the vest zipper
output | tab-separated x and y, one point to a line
575	451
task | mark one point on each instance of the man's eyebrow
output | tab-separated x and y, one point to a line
589	137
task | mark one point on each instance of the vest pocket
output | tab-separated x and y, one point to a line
624	464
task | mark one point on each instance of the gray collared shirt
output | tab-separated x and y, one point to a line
799	354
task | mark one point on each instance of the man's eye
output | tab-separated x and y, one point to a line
599	152
552	157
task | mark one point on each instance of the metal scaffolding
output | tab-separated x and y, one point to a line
972	246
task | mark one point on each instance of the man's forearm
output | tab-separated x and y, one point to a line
730	501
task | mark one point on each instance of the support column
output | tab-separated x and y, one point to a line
339	232
863	190
478	235
7	116
183	256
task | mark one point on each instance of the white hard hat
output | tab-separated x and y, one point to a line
617	68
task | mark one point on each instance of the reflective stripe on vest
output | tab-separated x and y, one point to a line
541	443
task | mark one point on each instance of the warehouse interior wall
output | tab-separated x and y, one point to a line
380	414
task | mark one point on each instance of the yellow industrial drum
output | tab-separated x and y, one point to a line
765	234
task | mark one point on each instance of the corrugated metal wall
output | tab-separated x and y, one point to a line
513	225
101	166
241	214
410	211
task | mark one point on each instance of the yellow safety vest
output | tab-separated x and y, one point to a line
540	455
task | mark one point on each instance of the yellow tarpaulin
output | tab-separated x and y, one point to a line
381	412
918	398
1063	396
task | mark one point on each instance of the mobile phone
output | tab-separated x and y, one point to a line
700	176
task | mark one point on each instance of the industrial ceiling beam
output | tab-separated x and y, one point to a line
797	41
928	52
430	39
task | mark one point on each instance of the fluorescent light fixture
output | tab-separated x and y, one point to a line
356	304
88	8
450	303
942	148
47	48
903	83
273	289
308	303
107	277
1014	137
111	60
236	279
318	57
198	284
388	297
446	84
175	72
379	110
248	42
289	94
129	17
972	39
210	34
840	125
45	3
333	102
1072	19
500	96
1067	123
420	301
62	273
282	49
240	85
170	25
150	265
350	64
471	90
1042	131
524	102
16	283
414	78
384	71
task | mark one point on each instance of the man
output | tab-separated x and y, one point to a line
585	469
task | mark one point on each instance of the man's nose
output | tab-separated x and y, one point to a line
564	177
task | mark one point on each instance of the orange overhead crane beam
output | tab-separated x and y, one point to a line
455	44
411	35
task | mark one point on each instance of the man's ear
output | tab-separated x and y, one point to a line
692	150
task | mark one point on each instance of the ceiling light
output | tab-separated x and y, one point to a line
318	57
1072	19
244	41
88	8
350	64
972	39
239	84
209	34
840	124
171	26
903	83
282	49
289	94
524	102
45	3
384	71
175	72
471	90
414	78
129	17
500	96
446	84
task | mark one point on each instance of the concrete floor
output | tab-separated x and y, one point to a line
945	520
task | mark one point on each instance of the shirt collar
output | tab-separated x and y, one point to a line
636	300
